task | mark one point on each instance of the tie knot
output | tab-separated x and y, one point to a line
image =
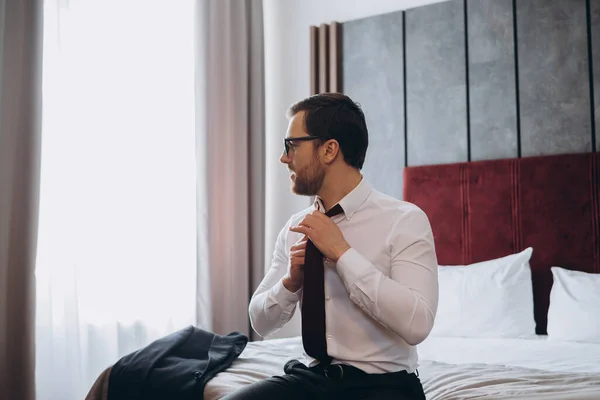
335	210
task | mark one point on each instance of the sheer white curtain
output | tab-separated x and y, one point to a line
116	264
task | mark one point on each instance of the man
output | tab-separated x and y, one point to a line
379	296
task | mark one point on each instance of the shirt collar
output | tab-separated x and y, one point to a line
352	201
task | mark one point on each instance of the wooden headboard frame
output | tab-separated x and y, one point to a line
488	209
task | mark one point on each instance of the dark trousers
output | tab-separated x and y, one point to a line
333	382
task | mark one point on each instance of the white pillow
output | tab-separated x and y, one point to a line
574	313
489	299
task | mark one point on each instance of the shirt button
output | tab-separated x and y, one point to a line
328	336
327	298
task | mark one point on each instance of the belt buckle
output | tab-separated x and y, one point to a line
329	371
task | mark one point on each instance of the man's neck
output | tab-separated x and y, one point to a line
335	188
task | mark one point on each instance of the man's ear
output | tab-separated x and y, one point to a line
331	149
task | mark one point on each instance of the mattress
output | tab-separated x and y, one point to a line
531	368
536	352
454	368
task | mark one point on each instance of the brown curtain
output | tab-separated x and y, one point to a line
20	120
230	154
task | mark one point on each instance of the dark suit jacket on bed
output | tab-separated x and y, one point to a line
175	367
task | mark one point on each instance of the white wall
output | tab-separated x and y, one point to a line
287	79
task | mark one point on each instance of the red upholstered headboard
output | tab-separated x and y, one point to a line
488	209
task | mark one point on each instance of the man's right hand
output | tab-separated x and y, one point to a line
294	280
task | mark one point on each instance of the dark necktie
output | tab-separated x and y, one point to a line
313	300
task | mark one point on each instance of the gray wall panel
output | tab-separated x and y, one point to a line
493	104
553	77
595	27
436	84
372	73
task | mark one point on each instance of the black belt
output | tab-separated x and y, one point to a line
343	371
340	371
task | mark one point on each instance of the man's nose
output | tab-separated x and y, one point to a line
284	159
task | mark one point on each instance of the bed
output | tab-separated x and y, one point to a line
455	368
483	211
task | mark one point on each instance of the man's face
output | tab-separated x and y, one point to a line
306	171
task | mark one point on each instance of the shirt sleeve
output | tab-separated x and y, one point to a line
272	305
405	302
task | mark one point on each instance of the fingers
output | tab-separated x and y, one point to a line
297	257
318	214
299	245
297	251
311	220
300	229
304	239
315	220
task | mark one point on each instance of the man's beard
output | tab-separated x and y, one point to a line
308	182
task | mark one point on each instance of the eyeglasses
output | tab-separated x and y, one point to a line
287	142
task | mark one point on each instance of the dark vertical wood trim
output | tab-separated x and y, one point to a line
517	94
594	198
404	88
515	178
314	60
467	80
464	229
340	57
334	57
323	58
467	211
591	71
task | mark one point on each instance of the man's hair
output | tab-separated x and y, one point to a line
336	116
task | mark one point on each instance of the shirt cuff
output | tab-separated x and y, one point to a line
286	299
352	267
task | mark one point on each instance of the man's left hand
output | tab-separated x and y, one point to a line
324	233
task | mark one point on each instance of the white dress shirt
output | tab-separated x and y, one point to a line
380	297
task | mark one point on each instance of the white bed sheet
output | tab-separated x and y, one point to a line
454	368
536	353
259	360
534	368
